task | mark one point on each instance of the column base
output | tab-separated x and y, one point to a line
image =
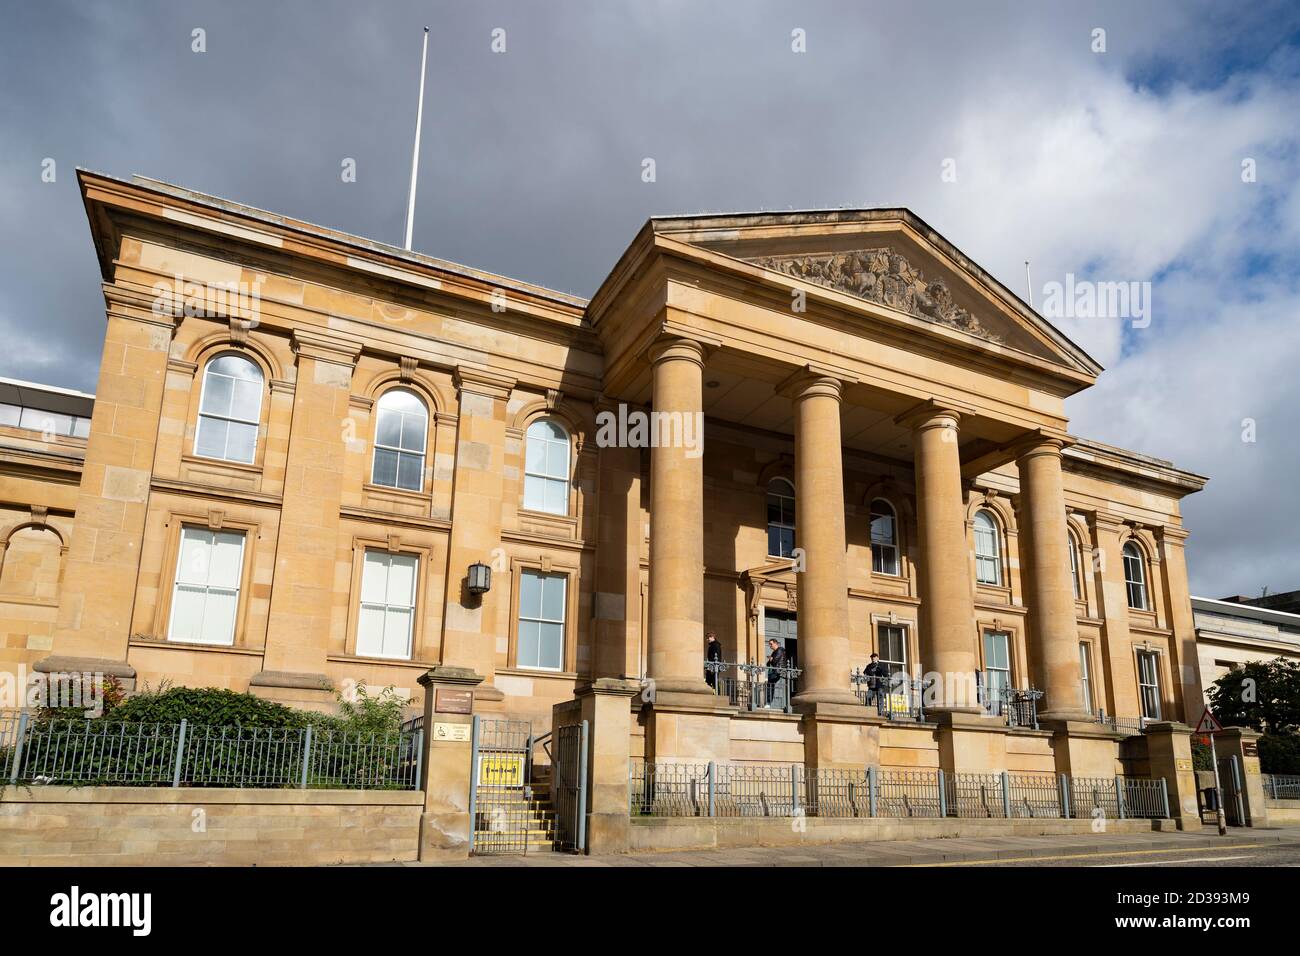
804	700
974	743
1064	716
57	664
838	735
1082	748
687	728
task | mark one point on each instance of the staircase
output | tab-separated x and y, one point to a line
516	820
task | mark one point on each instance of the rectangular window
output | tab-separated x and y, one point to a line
387	617
209	569
1149	683
541	620
997	669
1074	567
891	643
1085	676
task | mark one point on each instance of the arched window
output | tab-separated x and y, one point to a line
988	550
229	410
884	538
1075	564
401	432
546	468
1135	577
780	518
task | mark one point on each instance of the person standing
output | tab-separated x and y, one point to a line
712	658
877	674
776	665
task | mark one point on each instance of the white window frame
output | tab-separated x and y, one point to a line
1149	689
562	621
781	524
547	479
994	704
1135	559
988	549
884	551
1075	561
385	606
1085	676
210	536
896	666
399	451
256	421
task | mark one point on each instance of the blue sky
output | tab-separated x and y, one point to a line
1122	165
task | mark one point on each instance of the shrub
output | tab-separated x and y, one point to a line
209	706
1279	753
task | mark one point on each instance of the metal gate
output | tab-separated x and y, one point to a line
1234	811
569	787
500	801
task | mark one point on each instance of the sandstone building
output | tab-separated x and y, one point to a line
301	441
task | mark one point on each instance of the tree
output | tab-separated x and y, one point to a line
1262	695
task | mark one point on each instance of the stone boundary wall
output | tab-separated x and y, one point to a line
703	833
1282	813
198	826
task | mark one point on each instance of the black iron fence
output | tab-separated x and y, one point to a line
792	790
895	697
1281	786
1018	706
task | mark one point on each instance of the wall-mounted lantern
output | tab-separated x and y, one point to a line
479	578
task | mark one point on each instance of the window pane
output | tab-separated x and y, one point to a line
557	496
370	631
385	470
388	430
410	470
227	560
211	439
219	617
534	493
553	598
557	460
236	366
401	579
218	392
374	578
528	643
192	565
10	414
187	613
530	594
397	633
241	442
882	529
414	428
552	646
247	401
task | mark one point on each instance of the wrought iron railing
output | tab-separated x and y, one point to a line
117	753
1281	786
792	790
753	686
1129	726
895	697
1018	706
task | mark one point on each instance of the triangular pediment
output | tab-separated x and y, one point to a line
889	258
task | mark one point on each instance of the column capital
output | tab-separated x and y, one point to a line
1040	441
815	380
933	413
672	347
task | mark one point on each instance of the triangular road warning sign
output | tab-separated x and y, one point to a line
1208	724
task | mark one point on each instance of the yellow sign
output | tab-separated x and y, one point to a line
443	731
501	770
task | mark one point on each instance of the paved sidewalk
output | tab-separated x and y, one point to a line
931	852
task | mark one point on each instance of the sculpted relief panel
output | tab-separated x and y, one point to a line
881	275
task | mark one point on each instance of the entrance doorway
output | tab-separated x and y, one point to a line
782	627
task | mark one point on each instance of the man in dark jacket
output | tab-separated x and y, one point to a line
877	674
775	659
712	656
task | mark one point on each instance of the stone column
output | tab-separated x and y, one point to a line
617	612
823	583
605	704
1112	599
1169	755
676	640
97	593
947	591
1186	661
1243	743
470	622
306	552
1049	590
445	821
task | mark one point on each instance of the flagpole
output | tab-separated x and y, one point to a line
415	158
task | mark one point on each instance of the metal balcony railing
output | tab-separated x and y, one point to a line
895	697
753	686
1018	706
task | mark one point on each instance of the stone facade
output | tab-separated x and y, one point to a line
947	403
1230	633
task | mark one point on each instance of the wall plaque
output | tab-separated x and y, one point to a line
449	701
443	731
